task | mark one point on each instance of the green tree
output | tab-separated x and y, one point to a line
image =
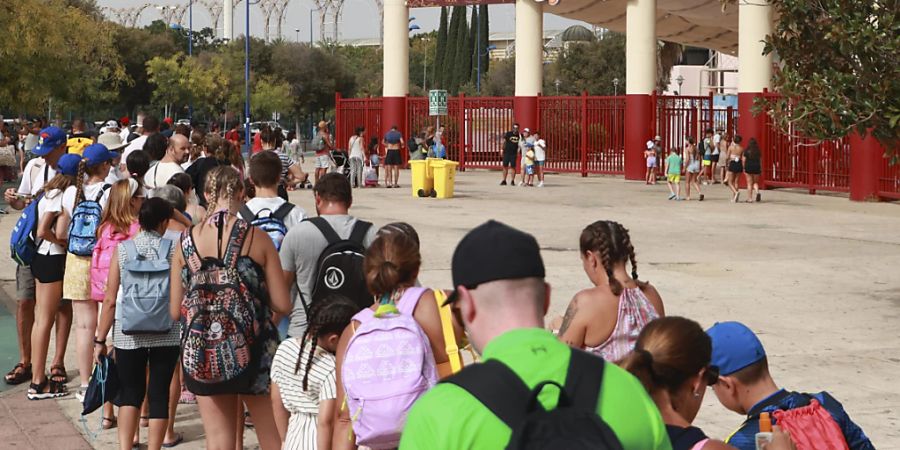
269	96
136	47
838	69
460	49
440	57
449	62
485	37
501	80
589	66
470	47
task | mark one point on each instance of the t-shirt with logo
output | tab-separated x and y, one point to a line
511	142
300	252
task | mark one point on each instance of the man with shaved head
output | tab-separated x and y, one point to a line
176	153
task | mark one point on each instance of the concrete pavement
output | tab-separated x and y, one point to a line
813	275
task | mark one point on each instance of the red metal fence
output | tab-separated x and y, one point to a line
585	135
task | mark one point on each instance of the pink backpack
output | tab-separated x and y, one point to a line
107	242
387	367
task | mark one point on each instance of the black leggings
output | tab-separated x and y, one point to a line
132	365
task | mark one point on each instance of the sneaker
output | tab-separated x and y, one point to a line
503	183
521	184
541	184
758	197
80	394
702	197
671	196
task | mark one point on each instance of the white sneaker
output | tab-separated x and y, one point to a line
521	184
541	184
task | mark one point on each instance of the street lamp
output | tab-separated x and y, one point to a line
487	51
680	81
298	34
557	83
615	87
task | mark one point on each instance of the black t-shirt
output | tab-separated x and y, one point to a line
511	142
198	171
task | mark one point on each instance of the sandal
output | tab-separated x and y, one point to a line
18	375
179	438
58	374
55	390
109	423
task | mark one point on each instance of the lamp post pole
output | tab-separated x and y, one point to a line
310	28
191	52
247	139
615	87
298	34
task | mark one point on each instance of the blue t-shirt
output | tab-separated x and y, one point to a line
743	437
393	137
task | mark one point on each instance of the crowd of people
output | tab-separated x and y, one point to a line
198	277
717	158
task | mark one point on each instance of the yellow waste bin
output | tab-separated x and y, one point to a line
444	177
422	180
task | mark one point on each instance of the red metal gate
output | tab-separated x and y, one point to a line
680	117
889	183
562	122
605	136
487	120
794	161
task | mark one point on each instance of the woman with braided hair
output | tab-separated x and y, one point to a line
303	377
607	318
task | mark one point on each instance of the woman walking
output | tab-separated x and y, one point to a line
357	157
692	161
752	169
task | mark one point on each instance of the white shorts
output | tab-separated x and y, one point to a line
323	162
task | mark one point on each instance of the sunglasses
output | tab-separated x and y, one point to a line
711	375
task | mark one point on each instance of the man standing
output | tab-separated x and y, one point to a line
176	153
304	243
510	149
501	299
149	126
393	142
39	170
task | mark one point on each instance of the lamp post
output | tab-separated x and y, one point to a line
191	53
680	81
487	51
615	87
557	83
298	34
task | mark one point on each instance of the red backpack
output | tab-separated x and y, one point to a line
811	427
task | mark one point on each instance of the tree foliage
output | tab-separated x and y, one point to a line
839	69
589	66
440	53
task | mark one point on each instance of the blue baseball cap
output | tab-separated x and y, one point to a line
98	154
68	164
48	139
734	346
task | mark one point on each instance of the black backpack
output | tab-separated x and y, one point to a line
572	425
340	266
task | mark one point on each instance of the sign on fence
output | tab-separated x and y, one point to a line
437	102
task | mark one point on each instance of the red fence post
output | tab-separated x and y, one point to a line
866	166
462	151
337	117
462	136
584	133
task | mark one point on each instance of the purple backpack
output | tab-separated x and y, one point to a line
388	366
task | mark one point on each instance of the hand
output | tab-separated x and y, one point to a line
99	350
781	440
9	195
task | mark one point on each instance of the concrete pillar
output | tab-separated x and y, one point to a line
640	83
228	10
754	68
396	65
529	61
866	161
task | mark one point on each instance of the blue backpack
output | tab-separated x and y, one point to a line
272	223
145	291
83	228
23	240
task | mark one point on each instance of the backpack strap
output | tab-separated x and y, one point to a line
409	299
449	332
584	379
239	232
364	315
498	388
283	211
189	250
325	228
131	252
165	246
246	214
102	191
360	229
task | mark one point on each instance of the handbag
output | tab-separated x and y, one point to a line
103	387
8	156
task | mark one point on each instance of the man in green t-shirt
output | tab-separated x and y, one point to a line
501	299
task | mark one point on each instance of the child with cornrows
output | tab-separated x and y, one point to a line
607	318
303	377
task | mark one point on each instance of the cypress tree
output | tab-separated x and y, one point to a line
437	73
449	63
471	45
485	37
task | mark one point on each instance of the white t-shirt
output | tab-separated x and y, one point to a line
136	144
540	147
356	147
50	203
272	204
37	172
161	173
90	193
114	175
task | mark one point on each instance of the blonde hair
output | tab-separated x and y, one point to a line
118	213
59	181
222	183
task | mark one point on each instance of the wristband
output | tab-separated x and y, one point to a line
99	342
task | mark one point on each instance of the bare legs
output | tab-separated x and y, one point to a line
48	299
693	179
752	187
731	180
85	328
24	325
220	427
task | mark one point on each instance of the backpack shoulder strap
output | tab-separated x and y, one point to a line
239	232
498	388
325	228
189	250
410	299
246	214
102	191
283	211
165	246
360	229
584	379
364	315
131	252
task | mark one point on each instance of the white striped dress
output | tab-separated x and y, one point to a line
303	405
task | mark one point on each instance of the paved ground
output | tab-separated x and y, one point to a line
814	275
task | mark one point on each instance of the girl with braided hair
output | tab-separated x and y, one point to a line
607	318
303	377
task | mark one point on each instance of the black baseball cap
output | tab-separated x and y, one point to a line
494	251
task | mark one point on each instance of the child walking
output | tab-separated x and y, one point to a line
303	377
529	166
650	156
673	174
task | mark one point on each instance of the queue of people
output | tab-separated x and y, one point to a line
191	299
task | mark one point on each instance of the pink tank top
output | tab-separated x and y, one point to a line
635	311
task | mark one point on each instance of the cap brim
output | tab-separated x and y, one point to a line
42	150
113	155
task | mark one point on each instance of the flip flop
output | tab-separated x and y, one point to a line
179	438
18	375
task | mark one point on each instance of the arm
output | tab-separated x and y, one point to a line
281	413
176	286
343	438
179	217
325	423
572	330
279	292
429	318
13	200
46	228
109	305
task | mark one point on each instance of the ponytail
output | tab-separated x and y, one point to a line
79	182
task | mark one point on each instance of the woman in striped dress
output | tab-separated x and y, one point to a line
303	377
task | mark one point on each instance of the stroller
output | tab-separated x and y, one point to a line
341	162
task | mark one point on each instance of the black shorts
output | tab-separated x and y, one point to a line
393	158
714	157
753	167
48	268
509	159
735	167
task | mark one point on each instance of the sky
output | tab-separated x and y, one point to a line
359	20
